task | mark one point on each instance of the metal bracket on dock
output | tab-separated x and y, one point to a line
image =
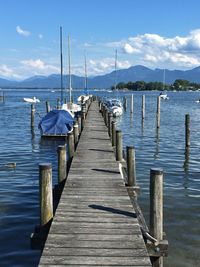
157	250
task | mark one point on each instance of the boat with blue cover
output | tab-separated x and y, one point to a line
56	123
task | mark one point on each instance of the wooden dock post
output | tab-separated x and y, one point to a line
83	116
47	107
143	107
46	197
79	123
58	104
131	104
158	112
125	103
109	123
76	133
187	130
156	209
131	169
32	115
119	155
113	133
106	116
70	145
61	163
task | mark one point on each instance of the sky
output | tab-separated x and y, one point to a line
153	33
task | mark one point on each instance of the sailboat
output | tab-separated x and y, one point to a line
83	98
59	122
114	105
70	106
163	94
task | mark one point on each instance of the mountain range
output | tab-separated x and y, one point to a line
134	73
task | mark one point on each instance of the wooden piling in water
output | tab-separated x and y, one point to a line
70	145
131	104
131	169
187	130
109	123
125	103
32	115
76	134
58	103
119	155
143	107
106	117
46	198
156	209
83	116
47	107
113	133
158	112
61	163
79	123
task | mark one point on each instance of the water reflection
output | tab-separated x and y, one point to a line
187	158
142	127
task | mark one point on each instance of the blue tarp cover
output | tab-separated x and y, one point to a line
56	122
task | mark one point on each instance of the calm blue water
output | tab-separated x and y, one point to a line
19	210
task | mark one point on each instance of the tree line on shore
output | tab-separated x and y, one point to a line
178	85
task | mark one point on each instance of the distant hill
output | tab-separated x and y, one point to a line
134	73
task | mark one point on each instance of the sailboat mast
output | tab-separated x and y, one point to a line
70	78
115	69
86	73
164	80
61	66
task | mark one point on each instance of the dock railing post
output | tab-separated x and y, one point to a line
158	112
131	168
46	196
32	115
187	130
61	163
119	156
156	209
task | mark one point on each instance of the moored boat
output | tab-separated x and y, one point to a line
31	100
56	123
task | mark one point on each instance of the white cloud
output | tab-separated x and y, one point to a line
38	67
7	72
98	67
22	32
130	49
153	49
40	36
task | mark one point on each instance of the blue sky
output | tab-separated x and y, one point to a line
154	33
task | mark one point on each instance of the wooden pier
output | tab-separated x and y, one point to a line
95	223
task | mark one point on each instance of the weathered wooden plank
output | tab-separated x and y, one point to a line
91	225
86	265
97	252
91	237
71	260
65	228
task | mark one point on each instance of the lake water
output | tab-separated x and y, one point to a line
19	207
